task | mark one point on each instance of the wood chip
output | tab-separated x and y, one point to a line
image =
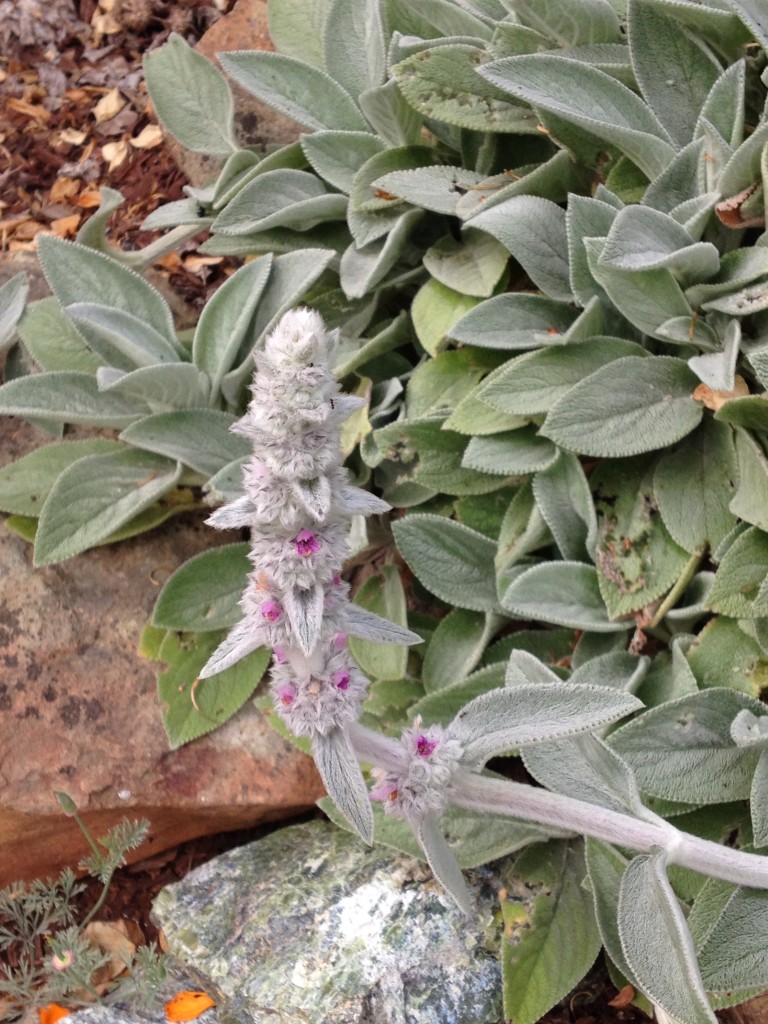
64	188
72	136
196	264
148	137
115	153
36	112
108	106
66	227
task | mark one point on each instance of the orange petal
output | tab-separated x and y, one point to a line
52	1012
187	1005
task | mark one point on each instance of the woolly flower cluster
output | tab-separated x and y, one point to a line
297	503
419	785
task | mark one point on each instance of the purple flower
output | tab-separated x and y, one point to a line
286	694
279	655
307	543
339	641
341	679
424	745
271	610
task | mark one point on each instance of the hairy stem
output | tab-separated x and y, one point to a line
499	796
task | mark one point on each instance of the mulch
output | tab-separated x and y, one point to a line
75	116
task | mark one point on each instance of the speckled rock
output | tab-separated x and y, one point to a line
79	710
142	1011
309	925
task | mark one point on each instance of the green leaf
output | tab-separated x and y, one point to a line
435	310
472	266
551	946
163	386
724	655
456	647
191	707
452	561
512	453
225	319
683	750
297	28
437	18
296	89
390	116
564	499
585	21
737	590
533	230
750	502
26	483
649	299
657	944
355	49
284	198
694	484
53	342
644	239
534	382
200	438
438	384
13	295
191	97
121	339
362	269
67	398
562	593
96	496
436	188
204	593
673	68
443	705
732	956
753	14
589	98
338	156
629	406
94	232
605	868
637	560
758	803
514	321
442	83
384	595
585	217
433	457
79	274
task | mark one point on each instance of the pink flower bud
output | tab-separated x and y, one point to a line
306	543
271	610
286	693
386	790
424	745
279	655
339	641
341	679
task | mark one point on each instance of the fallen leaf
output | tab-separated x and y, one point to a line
115	153
32	110
89	200
196	264
64	188
715	400
187	1005
66	227
72	136
731	211
52	1012
105	24
624	998
108	106
170	261
148	137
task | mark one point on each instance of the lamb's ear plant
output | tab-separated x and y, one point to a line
540	237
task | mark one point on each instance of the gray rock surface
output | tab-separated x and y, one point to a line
310	926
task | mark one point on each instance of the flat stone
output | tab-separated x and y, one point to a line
256	123
79	710
309	924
